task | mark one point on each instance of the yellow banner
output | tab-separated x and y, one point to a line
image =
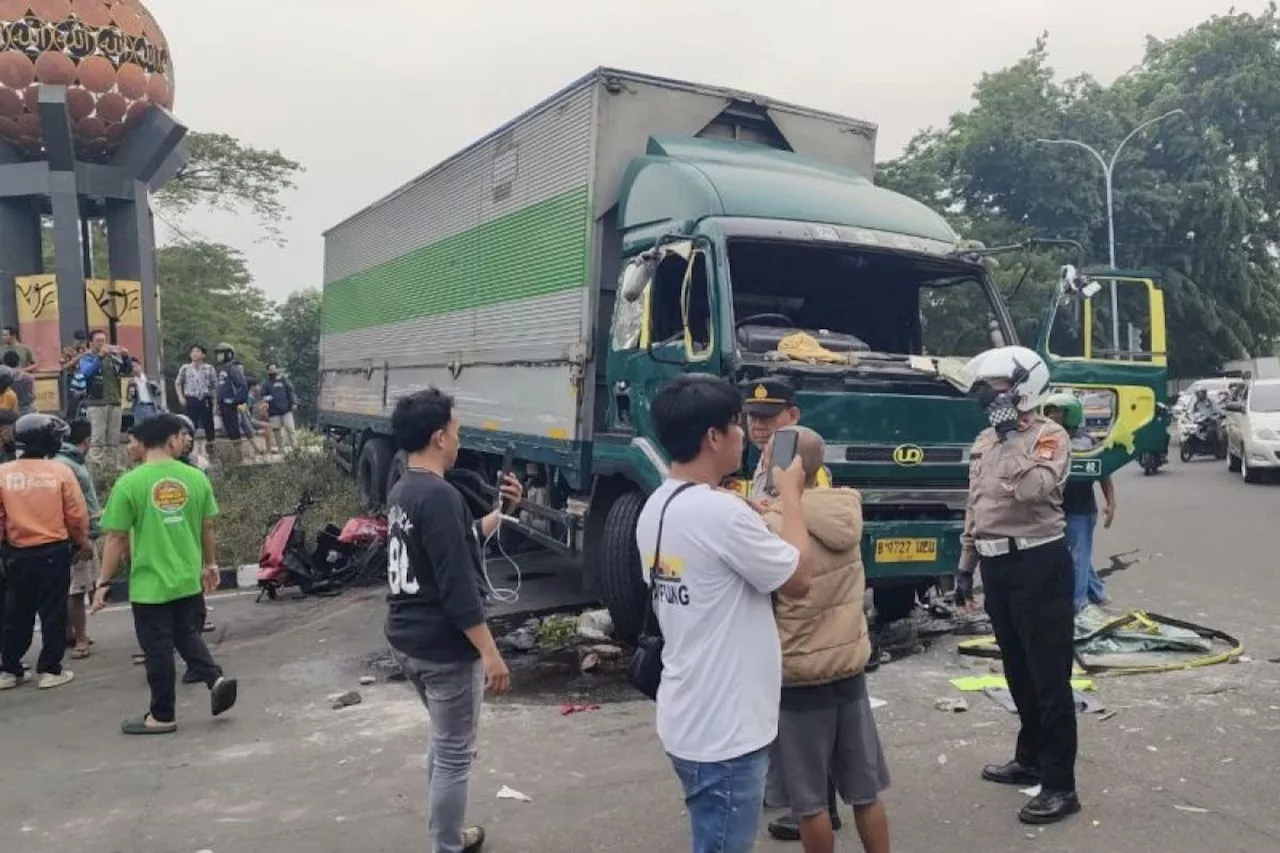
38	318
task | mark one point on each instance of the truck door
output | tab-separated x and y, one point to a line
664	325
1114	360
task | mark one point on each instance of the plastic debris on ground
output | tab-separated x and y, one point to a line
1139	635
573	708
979	683
506	793
595	625
952	705
878	703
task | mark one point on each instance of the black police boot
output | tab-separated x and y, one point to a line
1049	807
1013	773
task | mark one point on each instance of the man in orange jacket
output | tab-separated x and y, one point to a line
43	517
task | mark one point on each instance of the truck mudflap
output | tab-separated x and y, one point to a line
906	550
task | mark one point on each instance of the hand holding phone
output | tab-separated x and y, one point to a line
782	452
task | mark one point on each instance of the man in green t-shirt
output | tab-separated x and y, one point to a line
161	513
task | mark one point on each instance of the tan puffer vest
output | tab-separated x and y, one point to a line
824	635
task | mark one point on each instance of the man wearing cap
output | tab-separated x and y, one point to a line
770	405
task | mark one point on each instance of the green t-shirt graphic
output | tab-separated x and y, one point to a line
162	506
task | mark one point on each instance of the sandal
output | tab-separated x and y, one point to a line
141	726
80	652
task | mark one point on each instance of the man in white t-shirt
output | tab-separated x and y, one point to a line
716	568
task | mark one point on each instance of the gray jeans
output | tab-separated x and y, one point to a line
104	442
452	693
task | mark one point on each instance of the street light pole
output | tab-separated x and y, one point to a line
1108	170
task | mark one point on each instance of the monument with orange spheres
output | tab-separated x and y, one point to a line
86	135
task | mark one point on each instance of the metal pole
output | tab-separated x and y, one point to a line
1111	255
1108	170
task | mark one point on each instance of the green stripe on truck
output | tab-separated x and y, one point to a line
537	250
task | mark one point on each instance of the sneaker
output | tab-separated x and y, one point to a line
8	680
222	695
472	839
48	680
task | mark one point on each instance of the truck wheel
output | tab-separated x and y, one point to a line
399	465
371	472
622	586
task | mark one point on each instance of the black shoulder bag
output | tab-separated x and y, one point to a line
645	672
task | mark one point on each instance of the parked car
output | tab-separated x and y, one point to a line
1253	430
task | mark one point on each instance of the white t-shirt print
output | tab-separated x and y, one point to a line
722	662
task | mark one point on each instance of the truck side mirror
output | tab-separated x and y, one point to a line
636	275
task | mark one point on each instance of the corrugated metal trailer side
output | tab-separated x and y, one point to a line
472	278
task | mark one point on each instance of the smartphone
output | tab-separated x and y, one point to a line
784	453
508	461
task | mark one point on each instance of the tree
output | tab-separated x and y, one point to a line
207	296
1196	200
294	344
225	174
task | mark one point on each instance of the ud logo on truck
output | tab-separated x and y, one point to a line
908	454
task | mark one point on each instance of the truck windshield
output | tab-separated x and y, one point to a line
854	300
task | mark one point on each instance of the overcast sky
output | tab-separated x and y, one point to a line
368	94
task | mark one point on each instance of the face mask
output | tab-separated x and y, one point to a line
1002	414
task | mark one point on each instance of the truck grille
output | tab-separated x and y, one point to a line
884	454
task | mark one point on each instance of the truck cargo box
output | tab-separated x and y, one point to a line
492	275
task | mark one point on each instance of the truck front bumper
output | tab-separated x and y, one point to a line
897	551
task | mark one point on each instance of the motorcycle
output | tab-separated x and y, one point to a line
1202	435
1151	461
341	557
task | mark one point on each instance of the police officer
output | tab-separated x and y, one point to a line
1014	527
770	405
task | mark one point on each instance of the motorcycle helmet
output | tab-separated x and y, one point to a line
1072	409
6	377
1025	371
40	436
224	351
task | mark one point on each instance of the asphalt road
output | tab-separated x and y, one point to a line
1185	765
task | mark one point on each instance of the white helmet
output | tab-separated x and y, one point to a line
1024	368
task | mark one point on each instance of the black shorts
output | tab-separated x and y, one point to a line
230	421
200	411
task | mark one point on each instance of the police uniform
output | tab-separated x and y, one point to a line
1015	528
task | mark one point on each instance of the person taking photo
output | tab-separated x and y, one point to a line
712	565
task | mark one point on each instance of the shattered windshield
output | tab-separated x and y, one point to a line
854	301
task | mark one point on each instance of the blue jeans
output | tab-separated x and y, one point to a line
724	799
1088	586
452	693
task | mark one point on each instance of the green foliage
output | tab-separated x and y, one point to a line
294	344
207	295
225	174
1197	197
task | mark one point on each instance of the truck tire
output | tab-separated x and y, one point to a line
399	465
622	586
372	469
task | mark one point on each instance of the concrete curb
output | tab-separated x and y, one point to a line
243	577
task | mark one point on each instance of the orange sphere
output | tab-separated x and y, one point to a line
110	54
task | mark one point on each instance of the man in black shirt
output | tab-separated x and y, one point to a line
435	619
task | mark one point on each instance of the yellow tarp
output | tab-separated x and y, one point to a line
978	683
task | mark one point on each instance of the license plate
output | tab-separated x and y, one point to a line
906	550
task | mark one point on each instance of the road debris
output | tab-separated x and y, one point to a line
506	793
878	703
573	708
345	700
952	705
367	680
589	661
1190	809
595	625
